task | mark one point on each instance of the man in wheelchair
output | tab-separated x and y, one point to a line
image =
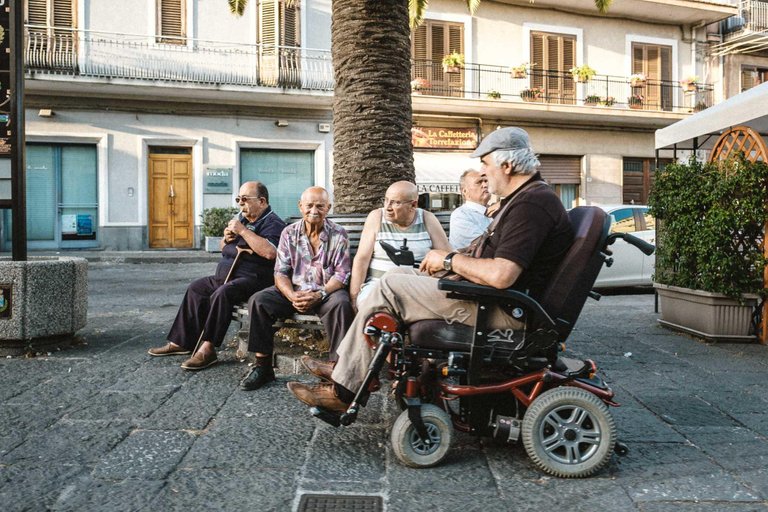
526	242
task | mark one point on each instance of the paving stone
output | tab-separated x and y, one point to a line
354	453
69	442
696	485
261	489
109	406
643	425
86	494
145	454
192	406
32	486
443	501
464	463
703	506
687	411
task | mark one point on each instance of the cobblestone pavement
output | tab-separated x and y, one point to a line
102	426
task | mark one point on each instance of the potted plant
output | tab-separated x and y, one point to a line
635	101
637	80
418	85
608	101
592	99
494	94
700	105
531	94
689	84
582	73
214	222
453	62
520	71
709	255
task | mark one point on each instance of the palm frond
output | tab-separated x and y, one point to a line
416	11
472	5
237	7
602	5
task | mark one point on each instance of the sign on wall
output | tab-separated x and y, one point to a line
444	138
5	301
217	179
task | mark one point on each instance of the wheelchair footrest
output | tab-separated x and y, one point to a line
327	416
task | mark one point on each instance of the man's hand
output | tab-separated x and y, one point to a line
235	227
305	300
433	261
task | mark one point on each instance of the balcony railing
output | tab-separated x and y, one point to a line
482	81
112	55
753	16
141	57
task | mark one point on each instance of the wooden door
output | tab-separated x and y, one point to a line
171	223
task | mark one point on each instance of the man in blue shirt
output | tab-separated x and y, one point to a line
468	221
207	305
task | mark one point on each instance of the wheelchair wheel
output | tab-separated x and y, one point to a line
568	432
409	447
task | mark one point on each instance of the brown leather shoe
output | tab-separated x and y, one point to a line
318	395
322	369
200	361
169	349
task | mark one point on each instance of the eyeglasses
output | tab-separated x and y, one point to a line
392	202
240	199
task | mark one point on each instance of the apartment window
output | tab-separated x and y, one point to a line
563	173
51	38
752	76
655	62
172	21
430	42
638	178
554	55
279	37
47	15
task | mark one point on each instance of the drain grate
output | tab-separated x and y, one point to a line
339	503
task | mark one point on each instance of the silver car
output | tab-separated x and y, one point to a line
630	266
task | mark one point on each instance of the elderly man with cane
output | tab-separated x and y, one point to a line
248	253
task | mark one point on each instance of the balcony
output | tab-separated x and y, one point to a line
747	32
482	81
114	64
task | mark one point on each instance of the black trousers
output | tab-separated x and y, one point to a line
269	305
207	306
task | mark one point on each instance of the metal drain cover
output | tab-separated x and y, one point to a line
340	503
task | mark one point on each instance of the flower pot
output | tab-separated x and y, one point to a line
712	316
416	92
518	74
529	98
636	106
212	243
688	87
637	83
590	103
451	69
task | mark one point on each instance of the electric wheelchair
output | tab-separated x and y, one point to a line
507	385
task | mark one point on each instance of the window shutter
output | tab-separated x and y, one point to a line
455	43
560	169
37	12
62	14
537	59
268	24
172	22
419	55
291	33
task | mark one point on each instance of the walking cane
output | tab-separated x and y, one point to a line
240	250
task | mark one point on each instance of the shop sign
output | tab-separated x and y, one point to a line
5	301
5	79
444	138
218	180
439	188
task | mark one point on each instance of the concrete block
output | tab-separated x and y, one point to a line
49	299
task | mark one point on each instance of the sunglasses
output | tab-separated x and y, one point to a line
242	199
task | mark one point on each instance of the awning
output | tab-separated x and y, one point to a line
439	172
750	108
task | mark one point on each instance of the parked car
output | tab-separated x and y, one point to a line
630	266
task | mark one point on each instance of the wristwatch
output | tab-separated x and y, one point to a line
448	261
323	294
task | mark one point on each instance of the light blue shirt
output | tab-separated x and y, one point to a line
468	221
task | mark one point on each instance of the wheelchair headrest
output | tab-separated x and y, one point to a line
573	279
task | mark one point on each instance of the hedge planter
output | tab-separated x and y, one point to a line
708	315
213	243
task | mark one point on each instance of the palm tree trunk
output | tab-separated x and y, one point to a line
372	117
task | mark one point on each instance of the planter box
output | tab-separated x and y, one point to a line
212	243
707	315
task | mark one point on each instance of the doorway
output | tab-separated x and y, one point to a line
171	222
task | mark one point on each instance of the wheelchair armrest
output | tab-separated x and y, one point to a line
476	291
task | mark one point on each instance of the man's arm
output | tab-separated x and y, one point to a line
285	286
364	253
436	232
258	244
495	272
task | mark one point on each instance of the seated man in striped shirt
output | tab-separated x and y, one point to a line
400	219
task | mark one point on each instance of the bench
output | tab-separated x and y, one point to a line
353	223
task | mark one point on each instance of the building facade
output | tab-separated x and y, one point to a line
143	114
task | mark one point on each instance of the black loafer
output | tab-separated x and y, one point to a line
259	376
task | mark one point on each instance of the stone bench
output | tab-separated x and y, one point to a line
353	224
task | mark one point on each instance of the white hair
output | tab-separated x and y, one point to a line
523	161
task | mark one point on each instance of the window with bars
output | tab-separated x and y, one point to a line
172	21
430	42
49	15
51	36
752	76
655	62
553	55
279	39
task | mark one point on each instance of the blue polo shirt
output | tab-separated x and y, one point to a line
269	226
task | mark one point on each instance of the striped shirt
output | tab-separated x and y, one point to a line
418	241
